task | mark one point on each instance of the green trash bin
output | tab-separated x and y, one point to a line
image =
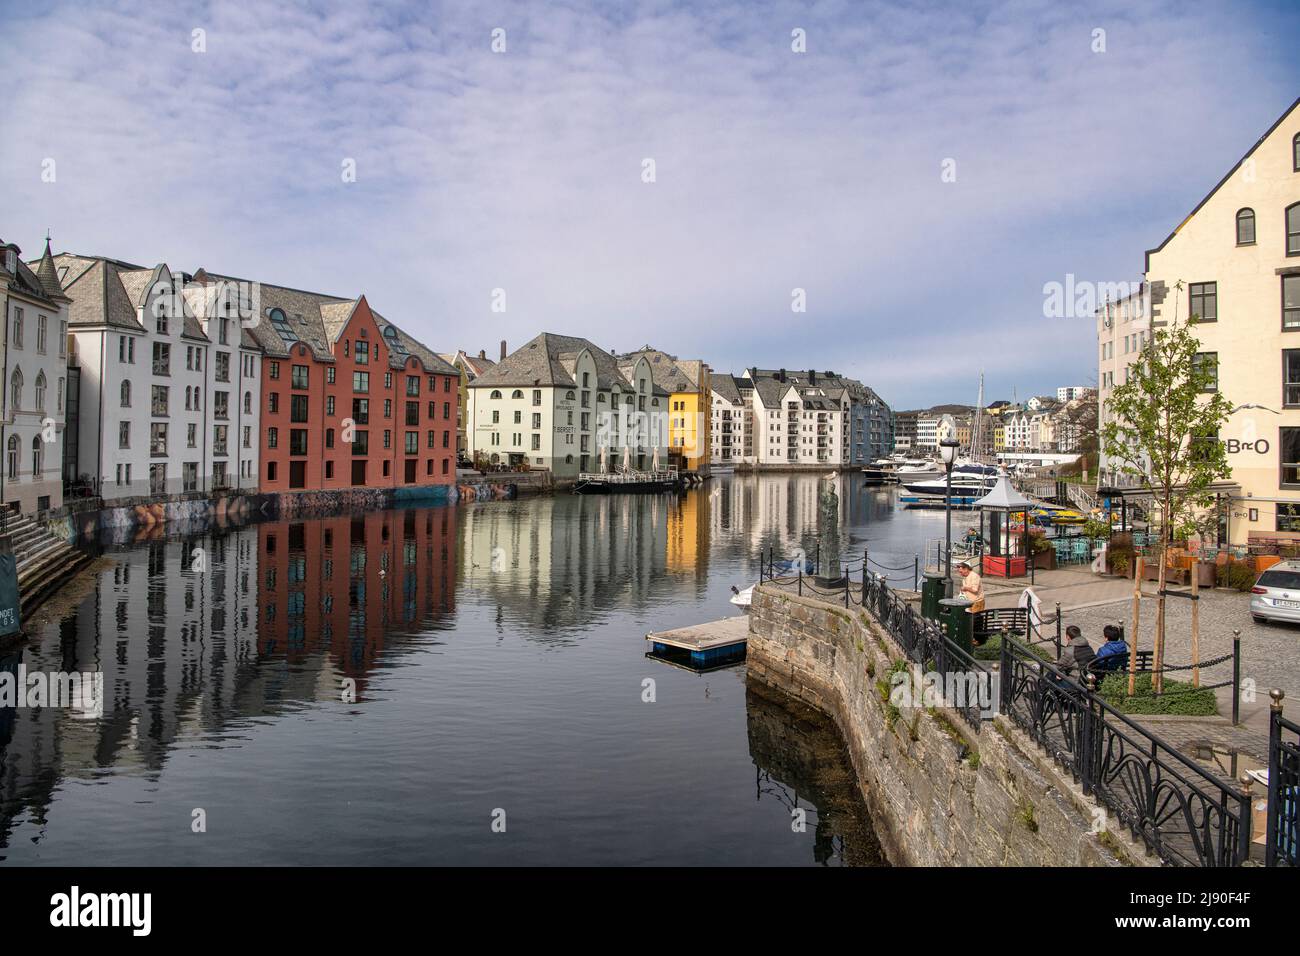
957	624
932	591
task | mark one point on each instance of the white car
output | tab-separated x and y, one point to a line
1276	595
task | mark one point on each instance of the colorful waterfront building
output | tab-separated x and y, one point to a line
349	400
33	406
469	368
167	383
687	382
1234	263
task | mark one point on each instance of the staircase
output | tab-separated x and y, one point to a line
44	561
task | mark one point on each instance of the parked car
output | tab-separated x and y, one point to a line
1276	595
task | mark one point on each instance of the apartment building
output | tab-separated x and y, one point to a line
1068	393
687	382
470	367
1234	263
33	406
168	381
1123	329
731	427
349	399
561	403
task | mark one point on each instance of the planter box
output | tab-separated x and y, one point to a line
1004	567
1205	574
1045	560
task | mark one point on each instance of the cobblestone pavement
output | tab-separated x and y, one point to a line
1270	653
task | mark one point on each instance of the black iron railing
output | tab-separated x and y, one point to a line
1282	847
1186	815
1183	813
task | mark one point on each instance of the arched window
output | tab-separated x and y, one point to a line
60	393
13	458
126	394
1245	227
517	393
38	457
569	395
189	392
16	390
248	403
495	394
40	390
1293	230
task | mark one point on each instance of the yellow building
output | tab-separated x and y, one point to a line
1234	262
470	368
690	412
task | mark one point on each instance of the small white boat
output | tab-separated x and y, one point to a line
742	598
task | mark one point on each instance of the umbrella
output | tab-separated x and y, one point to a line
604	459
627	458
654	462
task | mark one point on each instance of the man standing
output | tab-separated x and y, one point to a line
972	587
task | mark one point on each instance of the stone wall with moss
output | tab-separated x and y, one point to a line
940	794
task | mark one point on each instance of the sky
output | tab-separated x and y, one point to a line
919	171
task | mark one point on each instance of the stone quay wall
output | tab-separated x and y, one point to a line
939	793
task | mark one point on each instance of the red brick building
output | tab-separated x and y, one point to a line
348	399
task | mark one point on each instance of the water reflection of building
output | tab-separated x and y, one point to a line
559	561
688	533
342	587
192	633
778	510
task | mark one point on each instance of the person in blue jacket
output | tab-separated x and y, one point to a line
1113	654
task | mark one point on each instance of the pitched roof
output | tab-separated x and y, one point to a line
98	297
49	275
725	387
1219	185
548	360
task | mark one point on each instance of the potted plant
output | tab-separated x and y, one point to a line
1121	563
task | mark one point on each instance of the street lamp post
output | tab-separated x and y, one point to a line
948	451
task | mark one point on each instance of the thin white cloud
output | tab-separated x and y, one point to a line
774	170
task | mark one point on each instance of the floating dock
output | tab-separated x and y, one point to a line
702	647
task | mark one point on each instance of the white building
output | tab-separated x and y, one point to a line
169	400
33	407
732	432
798	418
1068	393
559	402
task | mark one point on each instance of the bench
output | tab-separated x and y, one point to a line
992	622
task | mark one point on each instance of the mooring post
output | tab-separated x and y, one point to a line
801	579
1236	675
846	585
916	572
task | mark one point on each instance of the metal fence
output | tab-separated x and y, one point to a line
1183	813
1283	837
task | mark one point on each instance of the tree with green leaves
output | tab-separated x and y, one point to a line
1162	427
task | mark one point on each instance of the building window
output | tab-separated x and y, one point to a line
298	376
1204	301
329	374
297	441
40	391
38	457
1293	230
297	408
412	443
13	458
1246	227
124	435
329	404
412	385
273	402
1289	457
362	353
248	403
1295	151
18	328
16	390
361	381
158	405
1291	302
40	333
412	410
361	411
495	394
158	438
275	370
272	438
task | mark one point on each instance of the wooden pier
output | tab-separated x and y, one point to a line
702	646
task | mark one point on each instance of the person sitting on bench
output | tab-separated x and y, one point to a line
1112	655
1078	653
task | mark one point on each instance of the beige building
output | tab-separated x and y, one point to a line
1235	263
1123	328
